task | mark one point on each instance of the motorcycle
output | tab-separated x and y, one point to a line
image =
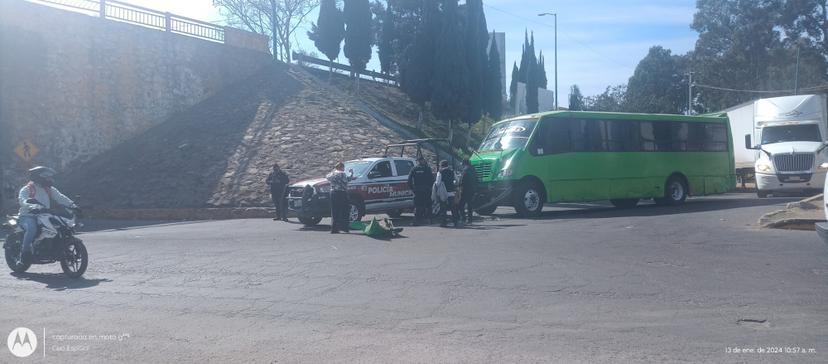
55	242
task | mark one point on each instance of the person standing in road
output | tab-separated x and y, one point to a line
468	187
447	176
420	181
339	198
278	181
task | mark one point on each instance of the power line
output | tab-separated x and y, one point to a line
587	46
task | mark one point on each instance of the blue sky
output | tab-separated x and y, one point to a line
599	41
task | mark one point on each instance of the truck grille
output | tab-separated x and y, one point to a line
793	162
484	170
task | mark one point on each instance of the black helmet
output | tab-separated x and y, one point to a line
43	176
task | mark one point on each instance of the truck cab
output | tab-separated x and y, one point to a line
791	135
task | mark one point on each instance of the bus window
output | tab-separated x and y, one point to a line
552	137
695	137
647	136
679	136
715	138
663	137
587	135
620	136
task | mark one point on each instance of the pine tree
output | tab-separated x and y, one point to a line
385	48
493	87
524	66
358	36
417	62
531	78
329	31
450	79
513	85
476	38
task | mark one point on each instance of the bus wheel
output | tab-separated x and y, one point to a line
624	203
529	199
488	210
675	192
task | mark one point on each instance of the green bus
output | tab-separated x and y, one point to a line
575	156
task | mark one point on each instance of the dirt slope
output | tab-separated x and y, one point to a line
219	152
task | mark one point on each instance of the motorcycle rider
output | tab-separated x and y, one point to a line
40	188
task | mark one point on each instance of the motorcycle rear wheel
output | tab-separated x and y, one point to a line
12	252
75	267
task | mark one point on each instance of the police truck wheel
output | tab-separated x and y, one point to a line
488	210
13	245
355	211
624	203
675	192
310	221
529	198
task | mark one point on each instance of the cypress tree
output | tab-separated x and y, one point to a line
524	66
476	37
327	34
493	88
531	78
357	34
450	79
385	47
513	87
417	64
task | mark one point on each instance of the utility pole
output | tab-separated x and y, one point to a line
690	93
556	55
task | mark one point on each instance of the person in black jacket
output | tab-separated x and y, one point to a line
447	176
468	186
420	180
278	181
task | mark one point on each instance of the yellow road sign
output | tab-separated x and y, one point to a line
26	151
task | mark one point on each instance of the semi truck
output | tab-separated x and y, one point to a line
785	140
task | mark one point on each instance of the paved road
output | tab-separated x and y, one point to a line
582	284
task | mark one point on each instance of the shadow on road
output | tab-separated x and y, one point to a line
60	282
600	211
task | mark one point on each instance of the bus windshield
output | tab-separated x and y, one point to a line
509	135
790	133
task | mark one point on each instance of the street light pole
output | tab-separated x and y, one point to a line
556	55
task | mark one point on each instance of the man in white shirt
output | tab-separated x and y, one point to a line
36	197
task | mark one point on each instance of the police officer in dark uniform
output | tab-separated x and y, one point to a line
420	180
278	181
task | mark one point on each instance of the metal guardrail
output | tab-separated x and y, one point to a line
343	67
138	15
